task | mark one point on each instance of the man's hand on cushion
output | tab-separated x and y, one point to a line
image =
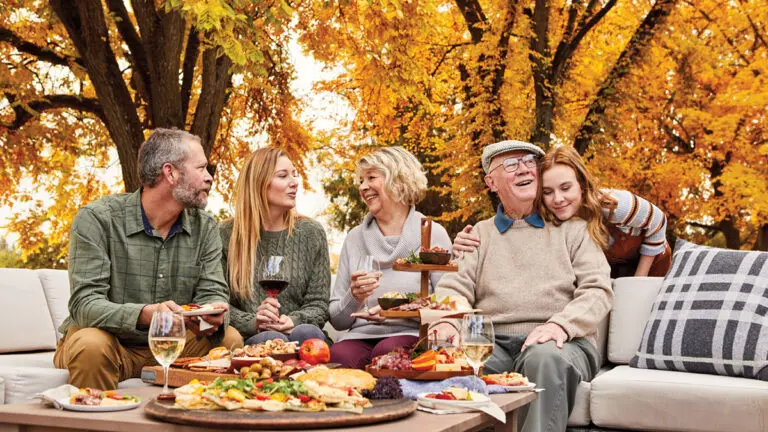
545	333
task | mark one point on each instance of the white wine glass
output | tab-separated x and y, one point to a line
370	266
477	340
167	336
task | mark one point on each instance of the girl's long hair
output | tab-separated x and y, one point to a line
593	200
251	208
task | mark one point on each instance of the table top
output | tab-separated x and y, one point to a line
36	414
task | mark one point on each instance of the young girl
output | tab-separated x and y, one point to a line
266	224
631	230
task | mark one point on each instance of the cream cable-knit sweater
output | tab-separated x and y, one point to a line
529	276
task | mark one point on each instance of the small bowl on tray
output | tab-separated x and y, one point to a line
389	303
435	258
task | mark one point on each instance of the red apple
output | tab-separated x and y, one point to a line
314	351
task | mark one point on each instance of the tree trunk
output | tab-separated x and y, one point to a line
732	237
762	238
217	77
630	56
542	75
84	21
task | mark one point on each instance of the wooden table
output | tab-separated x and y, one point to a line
29	417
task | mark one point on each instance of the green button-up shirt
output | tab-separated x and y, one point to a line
116	267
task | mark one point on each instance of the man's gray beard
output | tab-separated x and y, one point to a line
187	197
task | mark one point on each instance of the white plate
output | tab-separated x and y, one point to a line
198	312
96	408
512	389
478	399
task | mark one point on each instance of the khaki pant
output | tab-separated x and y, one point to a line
96	358
557	370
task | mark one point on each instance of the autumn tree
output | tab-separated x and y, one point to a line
82	82
445	79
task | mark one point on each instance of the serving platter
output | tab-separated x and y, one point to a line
424	267
382	410
178	377
417	375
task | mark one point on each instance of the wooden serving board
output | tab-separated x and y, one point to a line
399	314
424	267
417	375
177	376
382	410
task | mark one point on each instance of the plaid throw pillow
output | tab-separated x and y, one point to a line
711	314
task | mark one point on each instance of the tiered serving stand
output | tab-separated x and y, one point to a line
424	269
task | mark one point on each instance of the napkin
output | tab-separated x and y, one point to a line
412	389
204	324
489	408
52	396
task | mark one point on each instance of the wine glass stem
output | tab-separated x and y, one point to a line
476	369
165	387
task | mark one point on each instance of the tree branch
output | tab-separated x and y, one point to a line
191	54
138	56
631	54
29	110
474	17
703	226
566	48
42	53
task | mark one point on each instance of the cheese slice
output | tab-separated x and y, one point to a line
447	367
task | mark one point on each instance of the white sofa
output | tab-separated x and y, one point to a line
35	303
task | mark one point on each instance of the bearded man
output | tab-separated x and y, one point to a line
134	254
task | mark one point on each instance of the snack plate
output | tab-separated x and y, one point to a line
64	402
199	312
480	399
520	388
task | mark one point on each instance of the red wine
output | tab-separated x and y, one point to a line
273	287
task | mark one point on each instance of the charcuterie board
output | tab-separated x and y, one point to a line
382	410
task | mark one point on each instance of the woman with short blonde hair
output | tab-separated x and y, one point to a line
392	182
265	223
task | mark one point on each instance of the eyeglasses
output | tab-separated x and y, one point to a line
512	164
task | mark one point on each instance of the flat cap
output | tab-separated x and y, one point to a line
500	147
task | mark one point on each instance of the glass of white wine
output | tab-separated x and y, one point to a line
477	340
167	336
372	269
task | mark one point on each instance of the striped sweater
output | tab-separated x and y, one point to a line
636	216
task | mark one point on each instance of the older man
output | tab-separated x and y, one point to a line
131	255
546	287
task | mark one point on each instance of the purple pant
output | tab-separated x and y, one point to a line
356	353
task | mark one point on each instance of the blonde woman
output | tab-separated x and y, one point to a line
266	224
392	182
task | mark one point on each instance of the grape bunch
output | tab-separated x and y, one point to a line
397	359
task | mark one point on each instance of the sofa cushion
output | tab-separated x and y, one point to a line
580	413
21	383
642	399
56	287
31	327
711	315
42	359
632	301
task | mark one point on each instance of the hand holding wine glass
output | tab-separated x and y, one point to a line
477	340
367	280
273	280
167	336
